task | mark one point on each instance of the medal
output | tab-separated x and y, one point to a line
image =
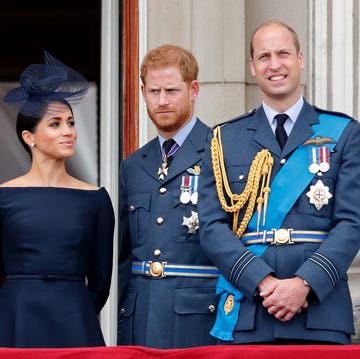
185	189
229	304
163	171
324	166
194	196
324	159
185	197
195	183
319	159
191	222
313	167
319	195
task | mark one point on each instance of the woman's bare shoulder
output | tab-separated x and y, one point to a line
76	183
15	182
70	182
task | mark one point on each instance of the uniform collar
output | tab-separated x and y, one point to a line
182	134
292	112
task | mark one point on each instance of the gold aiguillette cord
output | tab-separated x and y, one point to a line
260	170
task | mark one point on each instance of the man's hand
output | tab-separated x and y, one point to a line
283	298
267	286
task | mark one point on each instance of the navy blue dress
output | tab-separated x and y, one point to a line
56	255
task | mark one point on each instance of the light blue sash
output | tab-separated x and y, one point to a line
225	323
295	175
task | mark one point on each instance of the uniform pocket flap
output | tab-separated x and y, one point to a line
195	300
139	200
238	173
128	306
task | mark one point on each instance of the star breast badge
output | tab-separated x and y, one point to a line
191	222
319	195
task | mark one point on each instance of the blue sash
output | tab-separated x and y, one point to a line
292	175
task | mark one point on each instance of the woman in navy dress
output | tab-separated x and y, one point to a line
56	232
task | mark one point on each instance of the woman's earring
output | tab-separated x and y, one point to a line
32	145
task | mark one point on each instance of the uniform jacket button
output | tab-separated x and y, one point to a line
162	190
212	308
160	220
157	252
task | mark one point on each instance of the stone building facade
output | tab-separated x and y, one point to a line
218	33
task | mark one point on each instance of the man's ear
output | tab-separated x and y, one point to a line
251	63
194	89
143	91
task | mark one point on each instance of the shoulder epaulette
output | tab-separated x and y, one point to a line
244	115
333	113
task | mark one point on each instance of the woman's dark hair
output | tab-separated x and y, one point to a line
29	123
25	123
41	85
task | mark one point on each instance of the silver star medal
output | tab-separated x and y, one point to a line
191	222
319	195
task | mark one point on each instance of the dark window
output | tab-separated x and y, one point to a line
68	29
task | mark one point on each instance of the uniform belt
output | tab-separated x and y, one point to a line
47	277
283	236
164	269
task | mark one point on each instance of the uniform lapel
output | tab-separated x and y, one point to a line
187	156
302	129
300	133
190	152
263	134
151	158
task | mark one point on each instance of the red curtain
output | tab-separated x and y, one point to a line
211	352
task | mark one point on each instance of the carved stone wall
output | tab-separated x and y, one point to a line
218	32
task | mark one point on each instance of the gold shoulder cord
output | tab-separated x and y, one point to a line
260	170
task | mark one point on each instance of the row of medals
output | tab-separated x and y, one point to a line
188	189
319	160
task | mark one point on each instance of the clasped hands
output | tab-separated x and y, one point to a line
283	298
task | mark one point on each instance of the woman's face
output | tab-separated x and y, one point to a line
55	134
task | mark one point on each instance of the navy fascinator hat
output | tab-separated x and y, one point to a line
42	84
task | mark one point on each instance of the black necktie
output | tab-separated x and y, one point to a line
167	145
280	132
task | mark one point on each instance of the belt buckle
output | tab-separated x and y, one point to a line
282	236
156	269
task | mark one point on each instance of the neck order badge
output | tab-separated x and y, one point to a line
167	153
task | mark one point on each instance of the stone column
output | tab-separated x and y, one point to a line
333	81
109	102
331	76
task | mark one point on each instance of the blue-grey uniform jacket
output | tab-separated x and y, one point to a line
171	311
324	266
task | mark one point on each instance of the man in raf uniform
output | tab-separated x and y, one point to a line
279	208
167	284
